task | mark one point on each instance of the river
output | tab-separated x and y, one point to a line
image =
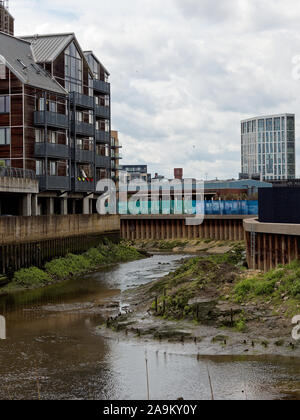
53	350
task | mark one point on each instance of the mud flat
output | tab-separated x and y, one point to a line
207	305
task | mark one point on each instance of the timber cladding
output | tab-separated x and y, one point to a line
28	229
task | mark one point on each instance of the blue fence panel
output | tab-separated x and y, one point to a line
210	208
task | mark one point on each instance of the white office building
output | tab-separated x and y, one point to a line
268	147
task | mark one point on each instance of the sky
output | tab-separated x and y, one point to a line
184	73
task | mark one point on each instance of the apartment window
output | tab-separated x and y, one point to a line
79	116
4	104
276	124
52	106
269	123
73	69
53	168
39	167
53	137
261	125
39	136
41	104
4	136
290	123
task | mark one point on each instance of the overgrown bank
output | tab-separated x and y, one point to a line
59	269
216	299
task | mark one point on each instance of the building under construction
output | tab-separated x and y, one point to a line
6	19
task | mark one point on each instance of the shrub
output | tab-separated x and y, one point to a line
264	287
31	277
72	264
295	289
243	288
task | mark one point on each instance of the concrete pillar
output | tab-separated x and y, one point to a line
86	205
74	207
64	206
26	205
50	206
34	205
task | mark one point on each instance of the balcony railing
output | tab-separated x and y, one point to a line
60	151
83	101
102	161
54	183
102	111
17	173
102	87
117	157
84	129
83	186
115	145
102	136
52	119
84	155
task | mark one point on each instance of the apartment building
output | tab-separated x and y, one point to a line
55	119
268	147
6	20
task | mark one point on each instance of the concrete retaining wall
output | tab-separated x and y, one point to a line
29	229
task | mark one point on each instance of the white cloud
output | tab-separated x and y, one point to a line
183	72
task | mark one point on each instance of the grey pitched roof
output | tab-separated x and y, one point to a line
19	59
46	48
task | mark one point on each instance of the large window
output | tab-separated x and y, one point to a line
4	104
39	136
269	123
276	124
261	125
73	69
39	167
290	123
4	136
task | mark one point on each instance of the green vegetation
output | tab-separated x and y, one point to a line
177	290
281	284
31	277
73	265
165	245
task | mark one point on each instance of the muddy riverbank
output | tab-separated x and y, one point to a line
53	339
198	304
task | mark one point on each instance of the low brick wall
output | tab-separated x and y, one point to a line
39	228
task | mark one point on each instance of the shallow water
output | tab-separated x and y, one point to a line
52	349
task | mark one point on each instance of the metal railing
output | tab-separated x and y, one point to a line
102	161
84	129
84	155
51	118
101	86
54	183
102	136
61	151
84	101
102	111
17	173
